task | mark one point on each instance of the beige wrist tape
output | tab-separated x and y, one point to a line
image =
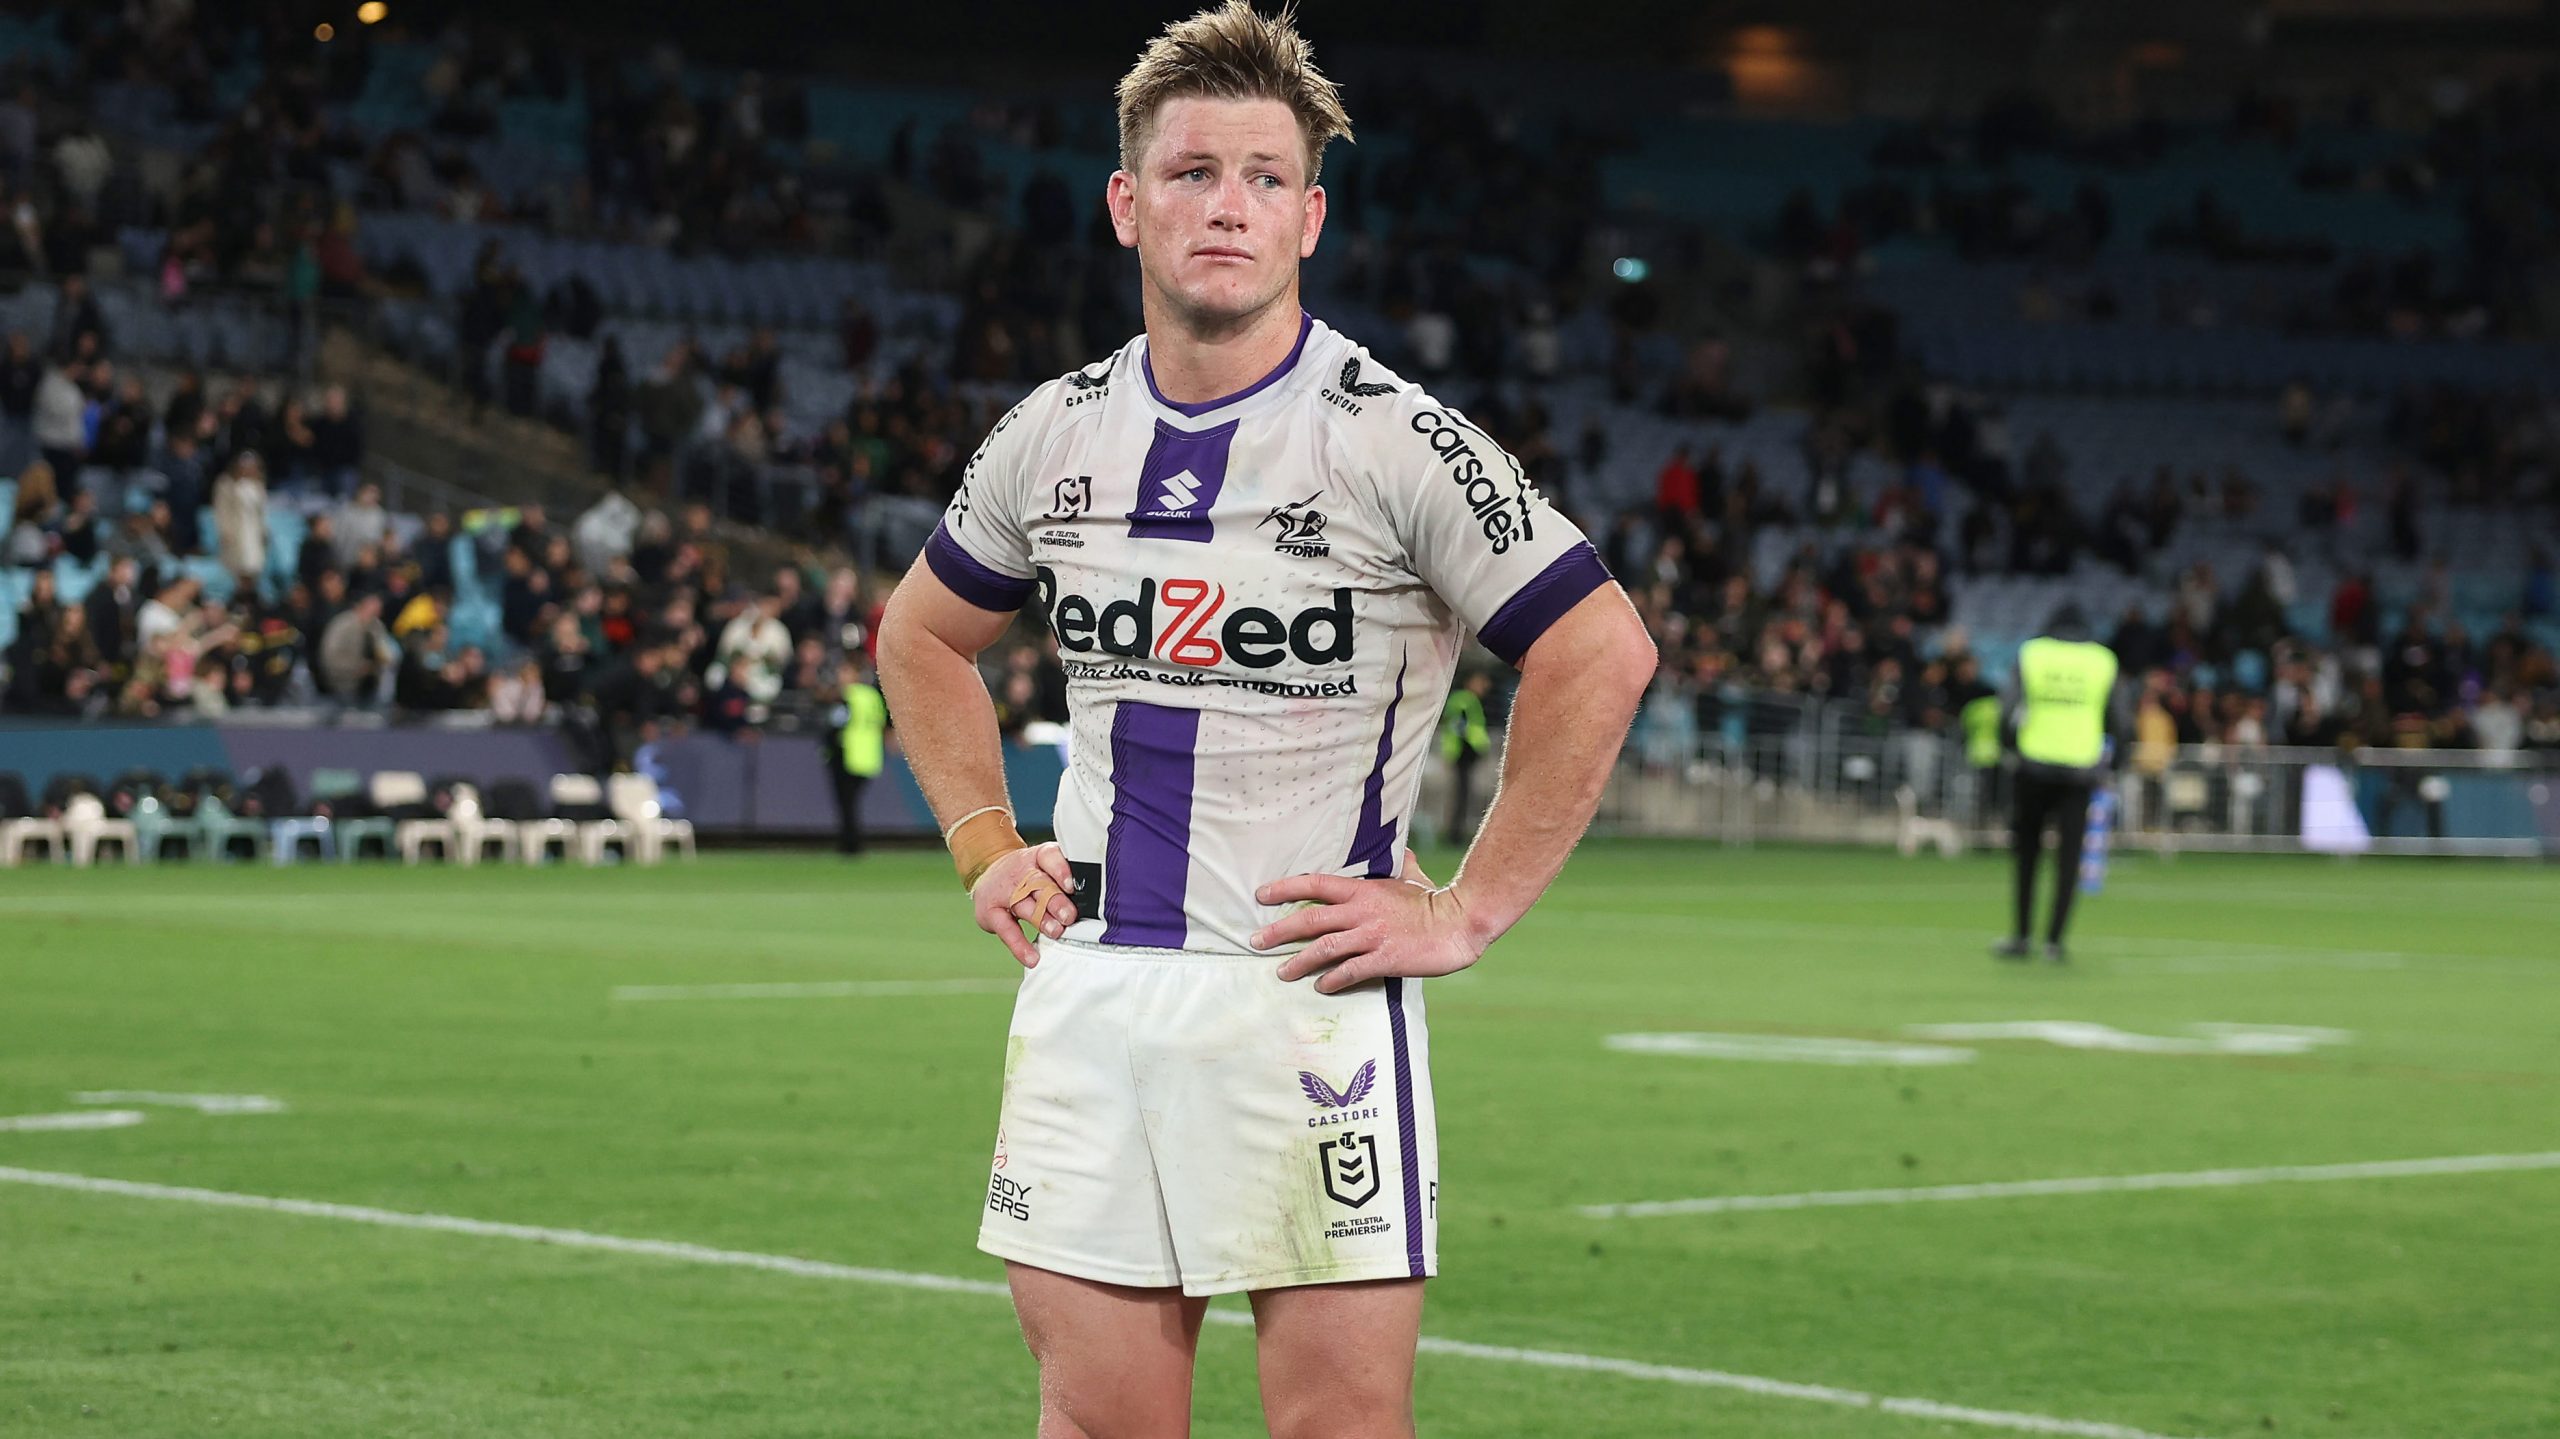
988	835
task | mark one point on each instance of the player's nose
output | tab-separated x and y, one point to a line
1227	204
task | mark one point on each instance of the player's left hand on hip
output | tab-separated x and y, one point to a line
1358	930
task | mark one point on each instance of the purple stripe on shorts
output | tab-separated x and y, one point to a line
1147	365
970	578
1374	842
1404	1128
1147	850
1543	601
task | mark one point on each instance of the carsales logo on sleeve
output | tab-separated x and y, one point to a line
1503	518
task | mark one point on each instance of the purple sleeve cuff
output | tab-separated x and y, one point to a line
961	571
1542	601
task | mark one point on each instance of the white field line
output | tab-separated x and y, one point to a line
2093	1184
822	1269
2158	953
201	1103
819	989
76	1119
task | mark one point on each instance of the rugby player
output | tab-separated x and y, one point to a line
1259	550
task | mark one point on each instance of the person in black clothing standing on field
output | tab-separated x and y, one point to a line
2063	704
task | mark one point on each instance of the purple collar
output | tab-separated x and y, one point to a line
1306	327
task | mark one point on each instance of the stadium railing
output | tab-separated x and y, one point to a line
1817	784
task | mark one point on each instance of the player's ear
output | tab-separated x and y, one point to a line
1313	222
1120	196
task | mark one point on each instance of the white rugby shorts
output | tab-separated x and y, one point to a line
1190	1119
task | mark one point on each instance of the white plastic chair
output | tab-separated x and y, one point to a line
393	789
85	826
577	799
1916	829
474	832
634	801
16	834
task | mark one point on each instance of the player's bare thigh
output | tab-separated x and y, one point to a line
1115	1361
1337	1359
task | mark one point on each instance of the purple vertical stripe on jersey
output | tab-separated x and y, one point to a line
1543	601
1373	843
1147	851
1404	1127
1183	473
971	578
1147	364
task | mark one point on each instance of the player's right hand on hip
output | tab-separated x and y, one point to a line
1028	886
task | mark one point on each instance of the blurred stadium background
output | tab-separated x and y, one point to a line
457	431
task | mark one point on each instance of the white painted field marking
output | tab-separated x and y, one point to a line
820	989
2094	1184
902	1279
2208	1038
1788	1049
201	1103
76	1119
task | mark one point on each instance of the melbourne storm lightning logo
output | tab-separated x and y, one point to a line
1301	528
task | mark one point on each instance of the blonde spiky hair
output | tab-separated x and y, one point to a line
1232	53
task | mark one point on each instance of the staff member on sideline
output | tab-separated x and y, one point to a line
2061	702
1464	742
860	722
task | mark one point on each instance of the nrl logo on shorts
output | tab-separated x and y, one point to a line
1301	528
1340	1105
1350	1164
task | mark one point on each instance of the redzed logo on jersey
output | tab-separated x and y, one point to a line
1201	630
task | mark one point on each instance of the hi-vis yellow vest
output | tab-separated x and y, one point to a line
866	718
2066	684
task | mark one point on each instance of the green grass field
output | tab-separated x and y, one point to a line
448	1042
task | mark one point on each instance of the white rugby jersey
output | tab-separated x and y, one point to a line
1258	602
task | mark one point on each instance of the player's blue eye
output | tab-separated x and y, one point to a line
1195	173
1268	182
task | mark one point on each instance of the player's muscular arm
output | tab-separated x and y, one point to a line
1580	684
929	642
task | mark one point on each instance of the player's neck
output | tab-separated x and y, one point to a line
1191	364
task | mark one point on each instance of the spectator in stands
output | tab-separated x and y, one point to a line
70	675
337	442
144	536
670	407
609	409
79	326
356	652
240	519
35	519
755	650
360	523
60	418
38	618
180	467
114	606
20	373
516	693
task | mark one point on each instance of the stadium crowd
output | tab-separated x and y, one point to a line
633	619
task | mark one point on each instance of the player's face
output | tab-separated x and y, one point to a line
1219	210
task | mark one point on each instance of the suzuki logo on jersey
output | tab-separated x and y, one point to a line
1180	494
1184	473
1485	500
1188	622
